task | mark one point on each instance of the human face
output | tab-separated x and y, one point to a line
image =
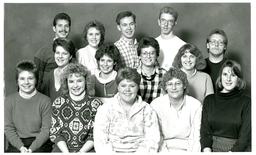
61	29
93	37
148	56
188	61
62	57
127	27
106	64
216	45
128	91
175	89
76	84
166	23
228	80
26	82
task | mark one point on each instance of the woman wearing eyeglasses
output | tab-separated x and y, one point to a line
179	115
151	74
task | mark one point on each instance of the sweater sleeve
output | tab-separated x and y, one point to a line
43	135
244	138
152	132
205	131
209	86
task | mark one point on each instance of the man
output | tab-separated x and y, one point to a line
168	41
44	58
127	44
216	44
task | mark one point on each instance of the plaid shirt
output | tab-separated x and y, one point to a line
150	89
128	52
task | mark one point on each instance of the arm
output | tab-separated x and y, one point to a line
194	137
41	67
209	86
87	146
152	132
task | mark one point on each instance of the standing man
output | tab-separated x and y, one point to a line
44	58
216	44
168	41
127	44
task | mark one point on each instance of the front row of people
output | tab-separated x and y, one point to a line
78	122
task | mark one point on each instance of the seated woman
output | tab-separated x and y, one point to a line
179	115
73	112
126	124
64	53
27	113
151	74
104	81
190	60
226	116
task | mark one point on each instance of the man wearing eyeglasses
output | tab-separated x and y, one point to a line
216	44
168	41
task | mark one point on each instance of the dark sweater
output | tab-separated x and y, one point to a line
227	115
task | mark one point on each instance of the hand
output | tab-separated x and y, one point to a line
29	151
23	149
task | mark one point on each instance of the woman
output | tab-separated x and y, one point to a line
126	124
27	113
94	35
179	115
190	60
151	74
64	53
74	111
104	81
226	117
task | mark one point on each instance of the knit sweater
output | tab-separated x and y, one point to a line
72	121
227	115
25	118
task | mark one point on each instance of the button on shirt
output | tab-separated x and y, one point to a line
128	52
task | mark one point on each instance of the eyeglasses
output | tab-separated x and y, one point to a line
214	42
147	53
176	84
169	22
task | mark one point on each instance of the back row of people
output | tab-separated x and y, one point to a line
105	60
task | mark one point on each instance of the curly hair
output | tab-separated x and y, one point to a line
129	74
99	26
237	70
175	73
78	69
147	42
111	51
200	61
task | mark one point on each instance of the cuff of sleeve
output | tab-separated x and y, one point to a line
59	138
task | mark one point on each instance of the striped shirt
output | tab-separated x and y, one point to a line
128	52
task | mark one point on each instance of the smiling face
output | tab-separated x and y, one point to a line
228	80
93	37
106	64
127	27
148	56
188	61
62	57
76	84
26	82
61	29
175	89
166	23
128	91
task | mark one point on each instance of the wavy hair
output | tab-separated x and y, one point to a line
80	70
200	61
129	74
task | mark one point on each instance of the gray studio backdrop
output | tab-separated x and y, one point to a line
27	27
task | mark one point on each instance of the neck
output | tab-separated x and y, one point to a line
77	98
148	70
189	72
176	102
216	59
167	36
104	75
128	39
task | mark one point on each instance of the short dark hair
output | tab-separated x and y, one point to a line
123	14
129	74
26	65
237	70
62	16
175	73
221	32
67	44
99	26
146	42
191	48
111	51
170	11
